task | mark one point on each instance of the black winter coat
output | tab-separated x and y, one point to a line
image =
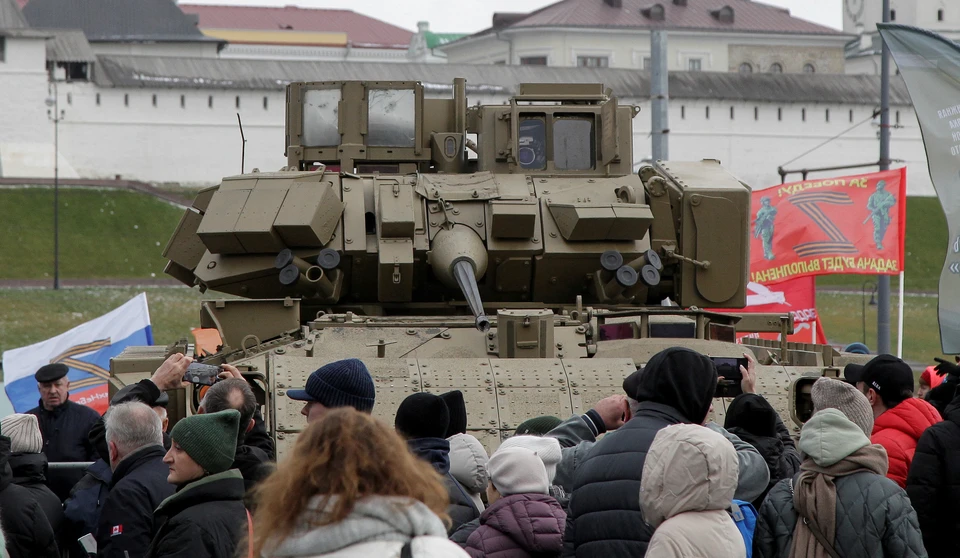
28	472
253	463
138	486
27	531
874	520
81	511
933	484
604	517
66	432
204	519
436	451
751	418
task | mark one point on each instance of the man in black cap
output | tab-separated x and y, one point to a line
343	383
64	425
899	418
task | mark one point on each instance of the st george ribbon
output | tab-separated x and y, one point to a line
930	67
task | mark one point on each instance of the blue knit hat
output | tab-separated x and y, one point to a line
344	383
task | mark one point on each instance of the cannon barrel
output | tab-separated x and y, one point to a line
458	257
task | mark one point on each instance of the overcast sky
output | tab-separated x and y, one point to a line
468	16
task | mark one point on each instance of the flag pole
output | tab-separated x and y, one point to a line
900	321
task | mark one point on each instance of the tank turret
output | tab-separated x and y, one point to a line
387	206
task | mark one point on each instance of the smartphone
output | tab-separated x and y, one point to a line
729	370
202	374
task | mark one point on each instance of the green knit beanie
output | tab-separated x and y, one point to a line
209	439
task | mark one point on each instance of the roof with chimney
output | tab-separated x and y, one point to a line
117	20
295	25
739	16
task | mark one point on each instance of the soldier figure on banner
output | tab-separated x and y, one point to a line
879	205
763	228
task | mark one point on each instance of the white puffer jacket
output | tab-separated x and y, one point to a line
420	547
468	464
689	479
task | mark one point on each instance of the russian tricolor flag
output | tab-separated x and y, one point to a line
86	349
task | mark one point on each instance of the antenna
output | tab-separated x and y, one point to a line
243	147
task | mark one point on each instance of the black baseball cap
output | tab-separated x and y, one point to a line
852	373
888	376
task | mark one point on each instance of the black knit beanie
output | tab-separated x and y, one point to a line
422	415
458	412
538	426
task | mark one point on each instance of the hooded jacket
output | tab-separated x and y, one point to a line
603	519
25	527
82	509
519	526
933	484
436	451
204	519
874	518
468	465
29	472
689	479
377	526
754	420
899	429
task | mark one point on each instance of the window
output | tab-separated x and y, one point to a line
683	112
803	115
893	15
70	99
237	102
154	100
694	64
851	115
647	63
707	113
731	113
776	68
533	60
98	99
183	101
532	143
320	117
779	113
3	49
592	62
391	117
573	143
500	63
126	99
264	103
756	113
809	69
897	116
210	101
826	115
939	15
746	68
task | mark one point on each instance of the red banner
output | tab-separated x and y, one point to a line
797	297
851	224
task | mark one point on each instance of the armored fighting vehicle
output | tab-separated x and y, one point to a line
508	251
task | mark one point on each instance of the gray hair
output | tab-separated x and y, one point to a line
220	398
133	426
634	406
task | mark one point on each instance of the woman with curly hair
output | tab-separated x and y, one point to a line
351	488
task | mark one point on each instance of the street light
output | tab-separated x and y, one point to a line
53	102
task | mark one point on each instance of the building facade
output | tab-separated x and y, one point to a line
860	18
703	35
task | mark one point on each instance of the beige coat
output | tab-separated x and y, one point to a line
689	478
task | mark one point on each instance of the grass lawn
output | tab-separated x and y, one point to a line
32	315
924	251
103	233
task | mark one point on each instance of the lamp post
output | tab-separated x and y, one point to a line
54	113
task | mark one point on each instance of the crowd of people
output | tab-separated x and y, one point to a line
875	472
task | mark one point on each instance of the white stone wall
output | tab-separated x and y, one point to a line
313	53
186	50
624	49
